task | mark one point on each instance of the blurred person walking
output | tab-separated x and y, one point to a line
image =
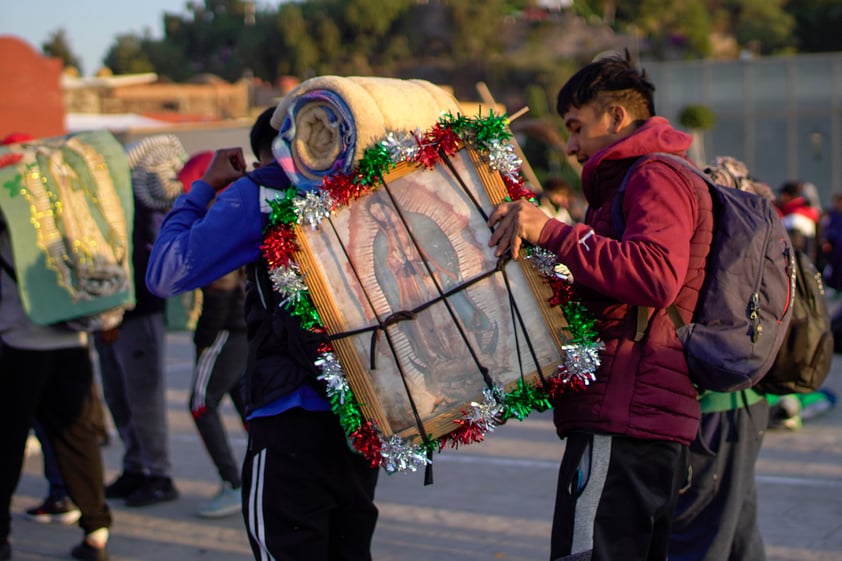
46	375
131	356
800	217
221	352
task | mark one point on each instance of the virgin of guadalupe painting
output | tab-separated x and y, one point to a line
423	315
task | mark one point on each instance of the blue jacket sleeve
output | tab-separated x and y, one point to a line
197	244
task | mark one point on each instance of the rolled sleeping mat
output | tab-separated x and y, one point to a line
326	123
155	163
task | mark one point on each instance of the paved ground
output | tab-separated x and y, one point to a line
490	501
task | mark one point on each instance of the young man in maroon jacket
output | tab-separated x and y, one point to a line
627	434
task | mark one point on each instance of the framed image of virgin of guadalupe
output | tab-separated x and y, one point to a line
421	313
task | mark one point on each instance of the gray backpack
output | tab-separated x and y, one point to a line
745	303
803	361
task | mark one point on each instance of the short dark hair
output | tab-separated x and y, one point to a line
556	184
793	188
262	133
607	80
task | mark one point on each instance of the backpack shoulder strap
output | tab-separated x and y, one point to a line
618	220
6	266
618	223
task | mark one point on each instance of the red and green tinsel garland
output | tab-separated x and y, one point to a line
490	137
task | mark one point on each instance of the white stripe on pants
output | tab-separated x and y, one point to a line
256	525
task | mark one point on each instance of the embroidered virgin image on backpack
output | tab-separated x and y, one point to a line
67	204
745	303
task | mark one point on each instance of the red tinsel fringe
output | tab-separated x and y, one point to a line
344	188
367	442
279	246
563	384
516	188
562	291
428	154
443	138
467	433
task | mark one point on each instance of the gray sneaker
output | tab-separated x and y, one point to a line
226	503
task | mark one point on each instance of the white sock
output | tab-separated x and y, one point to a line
97	538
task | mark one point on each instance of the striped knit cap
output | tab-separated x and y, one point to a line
155	162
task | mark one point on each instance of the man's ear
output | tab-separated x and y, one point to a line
619	118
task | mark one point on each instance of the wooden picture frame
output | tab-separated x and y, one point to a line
422	318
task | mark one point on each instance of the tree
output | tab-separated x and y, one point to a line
261	47
817	24
683	25
300	50
764	26
475	35
371	17
127	56
168	59
58	46
697	118
369	33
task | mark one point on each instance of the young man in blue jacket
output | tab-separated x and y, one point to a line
306	495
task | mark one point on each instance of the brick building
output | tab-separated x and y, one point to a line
31	100
207	98
37	96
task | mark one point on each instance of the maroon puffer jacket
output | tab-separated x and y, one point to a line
642	388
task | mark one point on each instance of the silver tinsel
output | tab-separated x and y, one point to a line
399	455
288	281
502	157
333	376
582	360
401	145
543	260
484	415
313	207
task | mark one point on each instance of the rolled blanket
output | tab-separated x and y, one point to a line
326	123
155	162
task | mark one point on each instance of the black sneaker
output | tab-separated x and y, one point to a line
86	552
55	511
156	490
125	485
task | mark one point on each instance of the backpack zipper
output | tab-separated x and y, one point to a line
790	289
754	303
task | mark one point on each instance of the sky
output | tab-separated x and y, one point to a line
90	25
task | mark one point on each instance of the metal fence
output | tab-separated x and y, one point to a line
780	115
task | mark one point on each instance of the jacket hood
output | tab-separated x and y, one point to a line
270	175
655	135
